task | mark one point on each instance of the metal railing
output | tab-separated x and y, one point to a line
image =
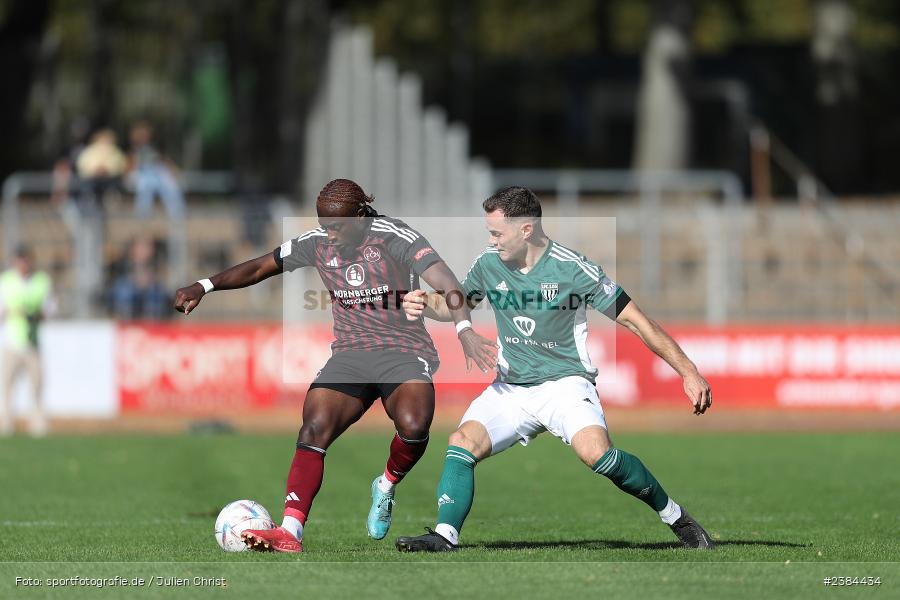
689	245
86	227
721	228
814	193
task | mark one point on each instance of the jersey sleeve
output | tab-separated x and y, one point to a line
411	248
300	251
599	291
474	285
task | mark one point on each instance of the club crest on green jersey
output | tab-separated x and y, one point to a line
549	291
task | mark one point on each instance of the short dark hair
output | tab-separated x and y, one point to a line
23	251
514	201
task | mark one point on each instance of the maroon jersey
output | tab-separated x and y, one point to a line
367	284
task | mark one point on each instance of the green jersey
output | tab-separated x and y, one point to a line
22	301
541	315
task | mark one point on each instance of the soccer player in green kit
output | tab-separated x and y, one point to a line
539	291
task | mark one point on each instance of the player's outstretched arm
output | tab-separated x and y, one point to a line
238	276
654	337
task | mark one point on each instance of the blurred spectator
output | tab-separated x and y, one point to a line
154	175
25	300
101	165
137	293
66	182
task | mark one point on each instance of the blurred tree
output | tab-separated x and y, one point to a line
509	28
629	25
462	60
209	112
663	114
21	30
101	95
234	78
837	94
877	36
776	21
877	25
716	26
275	51
303	40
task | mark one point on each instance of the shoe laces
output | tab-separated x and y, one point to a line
385	511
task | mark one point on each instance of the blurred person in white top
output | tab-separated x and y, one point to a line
26	298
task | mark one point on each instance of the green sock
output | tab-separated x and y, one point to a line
631	476
456	489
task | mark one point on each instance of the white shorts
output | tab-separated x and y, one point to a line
514	413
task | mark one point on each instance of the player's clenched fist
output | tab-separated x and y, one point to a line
414	304
187	298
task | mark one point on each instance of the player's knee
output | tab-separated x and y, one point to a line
589	460
590	456
316	433
461	440
412	426
590	444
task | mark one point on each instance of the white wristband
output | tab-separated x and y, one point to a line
207	285
463	325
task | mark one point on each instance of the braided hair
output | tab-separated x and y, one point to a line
344	198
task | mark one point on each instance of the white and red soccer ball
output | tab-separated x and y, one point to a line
238	517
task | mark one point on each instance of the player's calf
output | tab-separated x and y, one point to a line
303	483
404	454
630	475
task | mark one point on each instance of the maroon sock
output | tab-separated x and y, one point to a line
304	481
404	455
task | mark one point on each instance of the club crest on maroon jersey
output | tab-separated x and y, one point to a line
371	254
355	275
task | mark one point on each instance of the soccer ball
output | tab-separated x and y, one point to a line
238	517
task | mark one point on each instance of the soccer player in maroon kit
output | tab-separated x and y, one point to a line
367	262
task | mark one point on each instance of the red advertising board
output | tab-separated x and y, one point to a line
211	368
796	366
203	369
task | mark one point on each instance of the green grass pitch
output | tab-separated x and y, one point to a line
786	509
